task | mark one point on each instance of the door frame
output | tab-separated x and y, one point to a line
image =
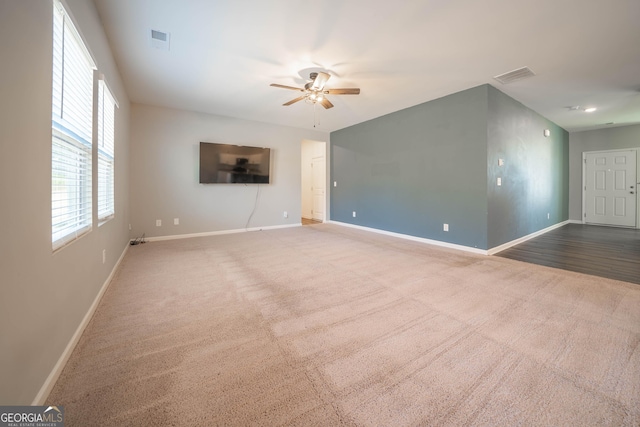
309	150
584	184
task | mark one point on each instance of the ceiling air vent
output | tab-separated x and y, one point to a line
512	76
160	39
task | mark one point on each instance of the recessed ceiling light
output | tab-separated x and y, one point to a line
590	109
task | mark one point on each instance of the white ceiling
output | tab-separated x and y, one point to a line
224	54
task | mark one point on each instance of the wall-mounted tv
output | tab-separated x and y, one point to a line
234	164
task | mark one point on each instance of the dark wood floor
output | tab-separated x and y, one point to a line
591	249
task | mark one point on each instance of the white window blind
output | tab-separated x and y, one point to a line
72	130
106	164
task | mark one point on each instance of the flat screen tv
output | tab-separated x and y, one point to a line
234	164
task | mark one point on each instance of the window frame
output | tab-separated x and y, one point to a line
106	116
72	126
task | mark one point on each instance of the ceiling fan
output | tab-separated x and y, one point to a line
314	91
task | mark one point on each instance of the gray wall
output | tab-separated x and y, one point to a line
44	296
535	174
414	170
165	164
594	140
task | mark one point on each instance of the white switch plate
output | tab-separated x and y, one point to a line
158	222
500	162
285	214
176	221
445	227
354	214
335	183
499	182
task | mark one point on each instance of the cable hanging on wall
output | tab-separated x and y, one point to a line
255	205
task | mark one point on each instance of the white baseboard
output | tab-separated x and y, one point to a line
414	238
46	388
217	233
491	251
522	239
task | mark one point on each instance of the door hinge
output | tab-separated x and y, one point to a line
585	215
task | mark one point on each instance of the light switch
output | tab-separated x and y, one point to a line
499	182
500	162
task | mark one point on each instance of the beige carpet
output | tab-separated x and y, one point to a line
326	325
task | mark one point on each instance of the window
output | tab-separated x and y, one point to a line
106	126
72	132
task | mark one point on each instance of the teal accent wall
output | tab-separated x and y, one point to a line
535	176
413	170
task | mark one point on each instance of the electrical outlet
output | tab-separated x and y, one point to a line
445	227
499	182
176	221
354	214
285	214
158	223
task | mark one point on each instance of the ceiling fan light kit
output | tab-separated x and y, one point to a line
314	92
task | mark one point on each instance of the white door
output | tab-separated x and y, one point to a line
318	184
610	188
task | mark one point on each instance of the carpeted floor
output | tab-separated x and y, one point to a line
324	325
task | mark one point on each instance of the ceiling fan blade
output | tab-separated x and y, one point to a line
326	103
344	91
293	101
320	81
286	87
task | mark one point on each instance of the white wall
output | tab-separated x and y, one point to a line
44	296
594	140
165	167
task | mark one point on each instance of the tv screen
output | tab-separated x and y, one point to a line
233	164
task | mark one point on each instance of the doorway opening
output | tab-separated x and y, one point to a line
314	180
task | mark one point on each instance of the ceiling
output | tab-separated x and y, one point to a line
224	54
